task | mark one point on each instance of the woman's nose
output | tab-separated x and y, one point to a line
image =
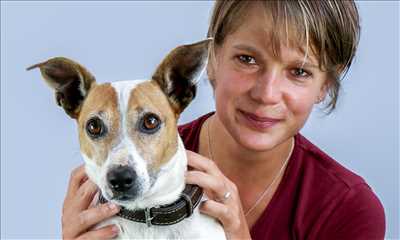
267	89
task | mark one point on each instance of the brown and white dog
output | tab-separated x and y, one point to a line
129	140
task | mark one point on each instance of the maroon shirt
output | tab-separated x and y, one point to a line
316	199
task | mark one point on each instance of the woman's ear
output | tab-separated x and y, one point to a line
212	64
322	93
211	73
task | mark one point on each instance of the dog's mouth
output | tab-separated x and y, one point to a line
119	198
123	197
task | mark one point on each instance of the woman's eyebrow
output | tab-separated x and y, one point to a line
305	64
245	47
248	48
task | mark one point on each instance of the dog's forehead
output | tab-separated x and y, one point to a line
124	90
141	95
110	99
125	97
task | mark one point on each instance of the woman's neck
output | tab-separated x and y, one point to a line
236	161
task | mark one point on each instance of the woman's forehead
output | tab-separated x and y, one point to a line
258	34
261	28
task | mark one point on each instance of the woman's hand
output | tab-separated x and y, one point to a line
77	217
224	203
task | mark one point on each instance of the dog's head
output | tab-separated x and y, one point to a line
127	130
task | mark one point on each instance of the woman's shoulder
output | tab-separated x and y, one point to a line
317	162
336	199
190	132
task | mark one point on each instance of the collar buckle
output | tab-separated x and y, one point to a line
148	217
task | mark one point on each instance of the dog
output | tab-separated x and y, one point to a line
130	144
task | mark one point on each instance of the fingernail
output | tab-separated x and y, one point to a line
113	207
186	174
115	230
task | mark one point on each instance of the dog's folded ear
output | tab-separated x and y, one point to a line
69	79
178	72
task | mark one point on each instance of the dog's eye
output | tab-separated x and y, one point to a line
150	123
95	127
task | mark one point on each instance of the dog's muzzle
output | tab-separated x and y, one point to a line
122	182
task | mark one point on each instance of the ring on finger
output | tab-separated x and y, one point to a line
226	196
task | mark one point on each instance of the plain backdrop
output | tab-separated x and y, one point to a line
126	40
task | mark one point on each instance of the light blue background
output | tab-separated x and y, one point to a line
126	40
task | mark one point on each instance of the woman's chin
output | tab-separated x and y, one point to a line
258	142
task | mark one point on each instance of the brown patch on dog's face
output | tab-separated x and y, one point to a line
158	147
101	104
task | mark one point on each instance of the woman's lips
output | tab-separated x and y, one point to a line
258	122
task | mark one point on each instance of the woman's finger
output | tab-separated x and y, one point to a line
221	212
203	164
91	217
107	232
78	175
208	182
84	196
95	200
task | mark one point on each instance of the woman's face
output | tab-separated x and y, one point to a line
261	100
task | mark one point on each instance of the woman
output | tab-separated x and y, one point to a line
270	63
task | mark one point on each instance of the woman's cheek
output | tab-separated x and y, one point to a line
300	107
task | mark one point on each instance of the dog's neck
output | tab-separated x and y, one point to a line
169	185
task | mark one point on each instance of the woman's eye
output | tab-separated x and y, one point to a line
95	127
150	123
300	72
246	59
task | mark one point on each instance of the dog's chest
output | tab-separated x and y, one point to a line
198	226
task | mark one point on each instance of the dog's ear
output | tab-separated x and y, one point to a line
177	73
70	81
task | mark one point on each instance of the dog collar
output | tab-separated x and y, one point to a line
165	214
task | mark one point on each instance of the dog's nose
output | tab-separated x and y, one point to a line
121	179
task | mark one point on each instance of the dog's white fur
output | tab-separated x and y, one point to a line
158	184
167	188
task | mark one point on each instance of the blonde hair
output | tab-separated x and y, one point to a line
330	29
